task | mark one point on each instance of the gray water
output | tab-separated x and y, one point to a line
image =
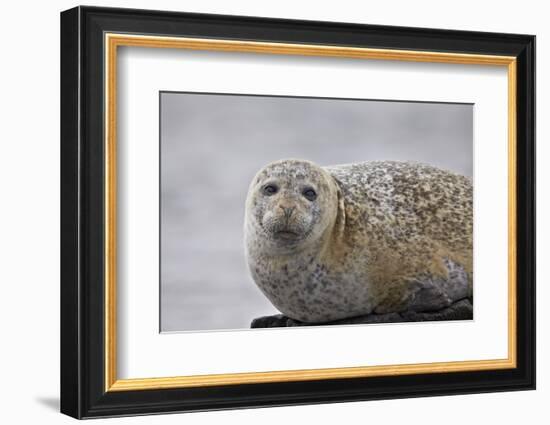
211	147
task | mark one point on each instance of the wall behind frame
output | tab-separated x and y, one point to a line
29	219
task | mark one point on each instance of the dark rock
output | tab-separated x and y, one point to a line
460	310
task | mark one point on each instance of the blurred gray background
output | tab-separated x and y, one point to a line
211	147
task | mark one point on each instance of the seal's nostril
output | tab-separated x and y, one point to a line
287	211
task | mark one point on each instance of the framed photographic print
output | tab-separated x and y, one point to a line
261	212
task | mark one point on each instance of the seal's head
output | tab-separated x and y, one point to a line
290	205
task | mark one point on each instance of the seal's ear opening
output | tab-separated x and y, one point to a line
340	222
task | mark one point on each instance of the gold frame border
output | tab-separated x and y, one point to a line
113	41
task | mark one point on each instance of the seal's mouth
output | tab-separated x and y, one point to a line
286	235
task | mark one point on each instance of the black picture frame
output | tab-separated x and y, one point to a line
83	392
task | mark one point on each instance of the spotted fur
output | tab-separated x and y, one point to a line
381	237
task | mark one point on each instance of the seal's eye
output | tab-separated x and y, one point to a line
310	194
270	190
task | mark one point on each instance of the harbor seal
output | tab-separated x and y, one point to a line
329	243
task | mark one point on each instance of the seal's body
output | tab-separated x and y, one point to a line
328	243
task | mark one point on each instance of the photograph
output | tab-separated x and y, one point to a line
268	211
284	211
